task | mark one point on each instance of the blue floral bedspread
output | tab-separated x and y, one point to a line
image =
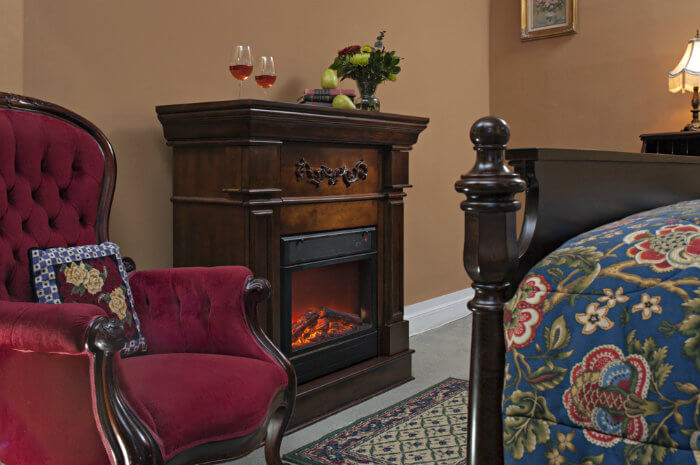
603	347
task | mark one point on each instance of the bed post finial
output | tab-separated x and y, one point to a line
490	254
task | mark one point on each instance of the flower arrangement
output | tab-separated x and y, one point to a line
369	66
549	5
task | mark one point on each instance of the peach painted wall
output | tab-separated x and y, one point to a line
113	61
11	45
599	88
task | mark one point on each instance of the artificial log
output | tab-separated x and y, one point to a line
307	320
490	256
325	324
346	317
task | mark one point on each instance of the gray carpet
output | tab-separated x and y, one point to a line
440	353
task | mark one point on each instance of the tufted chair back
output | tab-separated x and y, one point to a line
57	174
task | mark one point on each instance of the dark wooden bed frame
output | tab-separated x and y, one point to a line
568	192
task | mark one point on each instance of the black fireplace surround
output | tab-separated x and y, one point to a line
329	300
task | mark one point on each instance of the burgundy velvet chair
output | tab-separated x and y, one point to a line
212	386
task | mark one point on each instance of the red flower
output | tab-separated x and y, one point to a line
674	246
607	396
524	313
349	50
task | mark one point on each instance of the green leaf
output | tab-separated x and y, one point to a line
625	317
546	377
592	459
661	373
380	38
663	436
633	344
526	424
690	327
558	335
649	348
563	355
556	272
686	388
666	328
678	417
78	290
582	283
583	258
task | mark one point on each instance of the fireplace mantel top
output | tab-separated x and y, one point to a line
264	121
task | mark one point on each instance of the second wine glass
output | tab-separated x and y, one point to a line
241	66
266	74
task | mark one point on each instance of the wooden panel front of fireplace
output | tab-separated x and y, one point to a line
247	173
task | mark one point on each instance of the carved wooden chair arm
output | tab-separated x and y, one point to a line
118	422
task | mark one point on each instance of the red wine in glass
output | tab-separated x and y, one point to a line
241	66
241	72
265	80
267	75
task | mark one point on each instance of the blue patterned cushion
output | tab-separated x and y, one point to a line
88	274
603	347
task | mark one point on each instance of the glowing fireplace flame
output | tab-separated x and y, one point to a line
324	324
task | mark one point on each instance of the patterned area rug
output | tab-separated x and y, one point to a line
428	429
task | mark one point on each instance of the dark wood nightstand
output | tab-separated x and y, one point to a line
677	143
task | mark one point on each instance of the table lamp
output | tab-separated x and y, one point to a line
686	76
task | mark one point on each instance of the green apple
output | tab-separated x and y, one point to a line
329	79
343	101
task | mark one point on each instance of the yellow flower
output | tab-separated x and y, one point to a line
594	318
94	281
360	59
367	48
612	297
565	441
76	274
647	306
555	458
117	303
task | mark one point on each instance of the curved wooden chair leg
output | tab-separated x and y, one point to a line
275	432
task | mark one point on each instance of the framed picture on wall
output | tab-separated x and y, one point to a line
548	18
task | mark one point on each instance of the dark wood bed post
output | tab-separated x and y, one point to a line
490	255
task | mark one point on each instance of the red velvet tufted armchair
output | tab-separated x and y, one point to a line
211	387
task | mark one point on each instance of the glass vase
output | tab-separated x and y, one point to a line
367	99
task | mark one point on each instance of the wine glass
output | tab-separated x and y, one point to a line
266	76
241	66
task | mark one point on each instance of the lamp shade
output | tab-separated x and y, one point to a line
686	75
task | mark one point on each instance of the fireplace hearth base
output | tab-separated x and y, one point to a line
333	393
249	173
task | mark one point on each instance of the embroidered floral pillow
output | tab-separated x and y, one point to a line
89	274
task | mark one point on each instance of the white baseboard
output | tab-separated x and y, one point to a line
433	313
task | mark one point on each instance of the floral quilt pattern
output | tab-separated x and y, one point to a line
603	347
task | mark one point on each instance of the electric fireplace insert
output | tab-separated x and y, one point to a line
329	300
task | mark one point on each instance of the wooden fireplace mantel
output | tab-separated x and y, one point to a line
248	172
262	121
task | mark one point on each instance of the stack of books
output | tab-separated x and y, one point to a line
324	97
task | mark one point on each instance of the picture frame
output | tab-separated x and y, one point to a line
548	18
